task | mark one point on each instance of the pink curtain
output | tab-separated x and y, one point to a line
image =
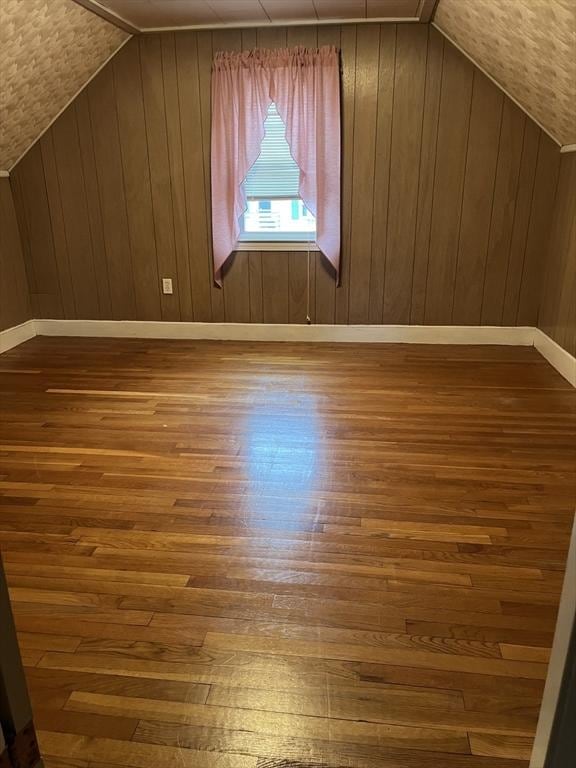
305	86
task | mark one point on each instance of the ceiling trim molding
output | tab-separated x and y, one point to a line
4	174
70	100
290	23
427	10
424	14
105	13
568	148
497	83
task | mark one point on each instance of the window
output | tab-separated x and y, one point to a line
275	210
250	163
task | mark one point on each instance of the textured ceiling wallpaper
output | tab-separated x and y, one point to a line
48	50
528	46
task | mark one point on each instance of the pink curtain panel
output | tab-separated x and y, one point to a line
305	86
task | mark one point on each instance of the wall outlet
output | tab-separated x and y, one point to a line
167	285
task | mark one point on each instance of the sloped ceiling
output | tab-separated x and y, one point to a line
48	51
528	47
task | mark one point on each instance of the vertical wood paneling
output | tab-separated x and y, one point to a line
256	287
365	109
42	269
558	312
204	80
193	161
136	166
93	204
271	37
348	56
446	200
176	172
306	36
102	100
70	178
14	296
155	121
248	39
19	207
538	231
452	144
325	291
302	287
503	208
482	156
431	111
237	288
297	287
522	212
275	287
410	74
387	61
63	276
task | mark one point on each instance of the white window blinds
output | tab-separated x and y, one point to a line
274	175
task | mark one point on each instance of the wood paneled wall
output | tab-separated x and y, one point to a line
558	311
447	191
14	299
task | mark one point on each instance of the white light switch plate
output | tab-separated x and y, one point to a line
167	285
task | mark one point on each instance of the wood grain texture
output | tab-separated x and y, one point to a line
451	151
558	310
521	225
426	177
57	225
477	200
539	232
235	554
503	212
134	150
112	193
446	191
14	295
45	278
363	172
404	172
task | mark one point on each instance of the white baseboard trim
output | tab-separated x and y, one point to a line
561	360
558	357
390	334
11	337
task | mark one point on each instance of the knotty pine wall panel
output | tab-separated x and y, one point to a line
447	192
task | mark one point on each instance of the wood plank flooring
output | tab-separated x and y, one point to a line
284	556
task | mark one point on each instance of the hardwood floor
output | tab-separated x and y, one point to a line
281	556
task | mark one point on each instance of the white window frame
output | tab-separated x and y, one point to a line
261	244
286	241
277	245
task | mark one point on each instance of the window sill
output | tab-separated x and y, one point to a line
286	246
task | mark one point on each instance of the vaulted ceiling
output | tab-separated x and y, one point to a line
49	49
528	47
